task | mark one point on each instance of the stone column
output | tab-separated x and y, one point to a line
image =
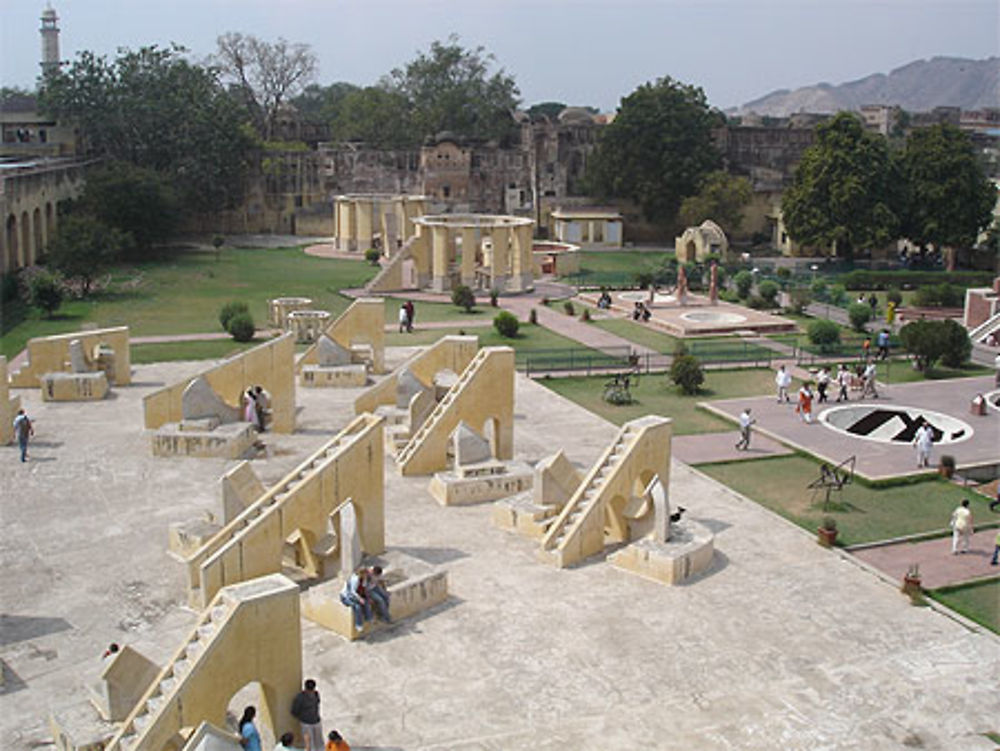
347	226
501	255
363	231
469	256
440	280
590	232
521	262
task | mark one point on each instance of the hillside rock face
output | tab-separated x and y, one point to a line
919	86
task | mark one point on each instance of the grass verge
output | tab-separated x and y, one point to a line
979	602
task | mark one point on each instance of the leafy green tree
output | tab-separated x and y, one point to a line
138	201
720	198
267	74
768	291
451	88
744	282
845	190
657	149
45	291
548	110
84	246
153	108
379	117
949	198
859	314
824	334
930	341
686	372
322	104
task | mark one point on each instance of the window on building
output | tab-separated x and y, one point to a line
446	191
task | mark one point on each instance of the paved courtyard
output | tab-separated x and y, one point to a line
881	459
781	645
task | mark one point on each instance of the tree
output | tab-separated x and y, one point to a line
744	282
450	88
268	74
322	104
845	191
153	108
138	201
949	199
379	117
549	110
241	327
230	310
859	314
686	372
83	246
721	198
45	291
463	297
768	292
657	149
824	334
930	341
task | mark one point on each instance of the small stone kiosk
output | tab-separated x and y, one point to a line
476	476
279	308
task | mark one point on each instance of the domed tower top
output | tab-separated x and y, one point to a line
50	40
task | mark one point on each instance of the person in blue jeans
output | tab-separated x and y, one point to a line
249	737
356	598
23	429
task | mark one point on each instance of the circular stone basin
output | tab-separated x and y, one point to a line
644	297
712	316
893	425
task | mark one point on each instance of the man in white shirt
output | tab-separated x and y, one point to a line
924	441
868	381
961	528
745	422
844	381
783	379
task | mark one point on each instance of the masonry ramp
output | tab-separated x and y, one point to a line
594	514
390	276
483	397
249	633
983	331
350	465
363	323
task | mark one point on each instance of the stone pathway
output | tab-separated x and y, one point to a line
938	567
703	448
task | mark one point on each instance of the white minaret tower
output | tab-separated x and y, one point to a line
50	40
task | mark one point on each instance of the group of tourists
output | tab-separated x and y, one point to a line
256	407
640	312
604	301
305	709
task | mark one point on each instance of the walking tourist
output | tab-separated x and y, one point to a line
23	430
961	528
305	709
404	319
924	441
262	403
996	550
882	341
249	737
805	404
868	381
844	381
746	423
823	383
411	315
782	379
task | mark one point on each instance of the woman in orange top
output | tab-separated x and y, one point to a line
336	743
805	405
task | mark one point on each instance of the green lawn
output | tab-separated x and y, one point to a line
863	514
656	395
979	602
530	338
481	315
638	334
616	268
902	371
214	349
183	293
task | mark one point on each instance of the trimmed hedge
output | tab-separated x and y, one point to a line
868	279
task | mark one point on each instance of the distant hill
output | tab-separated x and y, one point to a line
919	86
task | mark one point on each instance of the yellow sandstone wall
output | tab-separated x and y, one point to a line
50	354
362	323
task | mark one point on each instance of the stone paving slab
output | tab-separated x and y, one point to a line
938	567
704	448
782	644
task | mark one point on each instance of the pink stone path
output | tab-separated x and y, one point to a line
938	567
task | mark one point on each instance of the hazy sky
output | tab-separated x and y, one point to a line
576	51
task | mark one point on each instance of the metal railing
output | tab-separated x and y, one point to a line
586	361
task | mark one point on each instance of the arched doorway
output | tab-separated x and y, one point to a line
27	254
13	260
36	226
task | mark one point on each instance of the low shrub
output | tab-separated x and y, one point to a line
585	315
463	297
568	308
837	294
506	324
757	302
784	273
532	317
230	310
241	327
372	255
45	291
768	290
824	334
868	279
494	296
859	313
798	299
893	295
686	372
939	295
819	290
743	282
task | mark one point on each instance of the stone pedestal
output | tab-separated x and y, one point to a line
688	552
308	325
338	376
479	483
80	727
279	308
74	387
230	441
522	514
414	586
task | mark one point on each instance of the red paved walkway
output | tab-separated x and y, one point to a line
938	567
703	448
